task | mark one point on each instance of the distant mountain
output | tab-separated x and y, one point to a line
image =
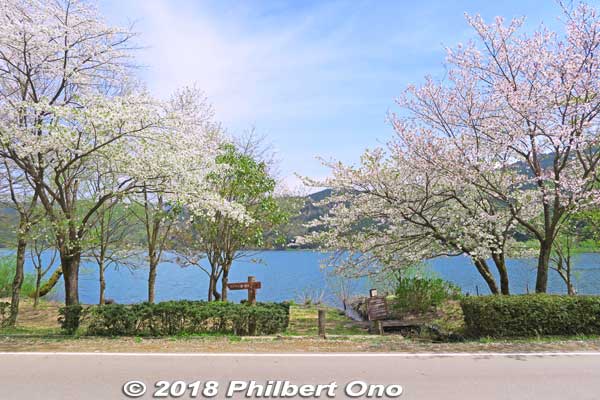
302	208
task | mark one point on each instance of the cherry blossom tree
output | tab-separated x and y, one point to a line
161	200
391	212
507	141
56	58
518	102
107	242
223	237
24	201
157	217
41	244
68	108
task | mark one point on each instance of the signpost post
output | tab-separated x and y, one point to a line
321	323
251	286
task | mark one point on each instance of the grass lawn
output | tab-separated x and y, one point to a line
303	322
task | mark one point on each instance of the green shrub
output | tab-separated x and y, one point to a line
7	274
70	317
531	315
420	295
186	317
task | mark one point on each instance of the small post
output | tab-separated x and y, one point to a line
251	291
322	314
378	327
252	302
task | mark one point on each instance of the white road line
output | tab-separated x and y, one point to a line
304	355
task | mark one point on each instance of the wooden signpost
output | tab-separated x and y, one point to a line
251	286
377	310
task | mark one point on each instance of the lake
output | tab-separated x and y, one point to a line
294	275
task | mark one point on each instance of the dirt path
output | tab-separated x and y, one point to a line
280	345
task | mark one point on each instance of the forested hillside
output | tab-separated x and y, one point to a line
302	209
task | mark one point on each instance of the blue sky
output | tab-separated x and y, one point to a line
317	77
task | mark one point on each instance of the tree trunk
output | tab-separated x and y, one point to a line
503	272
70	269
216	294
485	273
541	283
70	260
570	288
213	294
38	284
566	277
50	283
17	281
210	288
101	300
224	281
151	281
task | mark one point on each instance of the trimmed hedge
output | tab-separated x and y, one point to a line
531	315
184	317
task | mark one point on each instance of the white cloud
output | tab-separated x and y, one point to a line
316	77
249	74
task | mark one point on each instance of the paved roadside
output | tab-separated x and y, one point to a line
66	376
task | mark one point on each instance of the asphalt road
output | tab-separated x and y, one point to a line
93	376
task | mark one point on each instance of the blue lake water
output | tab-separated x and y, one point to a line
290	275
